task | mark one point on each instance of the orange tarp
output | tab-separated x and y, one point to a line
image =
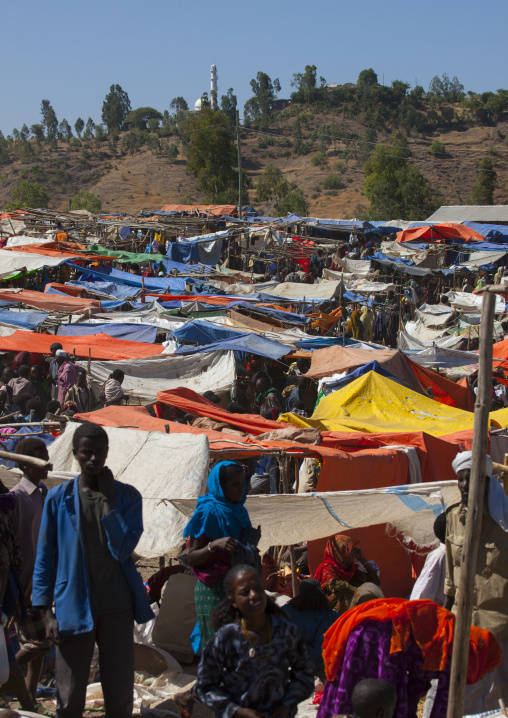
443	390
217	210
51	302
100	345
66	289
137	417
446	230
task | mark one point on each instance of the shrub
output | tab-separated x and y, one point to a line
318	159
333	182
437	148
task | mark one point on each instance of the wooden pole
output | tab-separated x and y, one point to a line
460	652
89	362
283	465
12	456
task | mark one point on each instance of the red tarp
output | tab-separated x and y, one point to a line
100	345
59	249
446	230
51	302
66	289
443	390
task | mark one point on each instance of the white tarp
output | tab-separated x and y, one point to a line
290	519
11	262
144	378
358	266
22	239
363	287
424	334
478	259
471	302
434	357
11	226
406	341
297	290
431	316
160	466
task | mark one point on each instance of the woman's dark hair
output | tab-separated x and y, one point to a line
440	527
89	431
24	371
117	374
53	406
226	472
310	597
225	612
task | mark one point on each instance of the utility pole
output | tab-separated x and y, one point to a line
239	165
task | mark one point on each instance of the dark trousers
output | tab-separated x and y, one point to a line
113	633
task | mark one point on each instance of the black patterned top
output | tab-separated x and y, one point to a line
230	676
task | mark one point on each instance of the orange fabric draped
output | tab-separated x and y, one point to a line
432	627
443	390
445	230
51	302
101	346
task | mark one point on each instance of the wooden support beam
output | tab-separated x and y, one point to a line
465	596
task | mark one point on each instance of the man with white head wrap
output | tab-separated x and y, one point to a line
490	604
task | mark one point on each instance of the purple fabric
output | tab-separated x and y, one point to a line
368	656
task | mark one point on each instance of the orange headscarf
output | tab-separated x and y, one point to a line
432	628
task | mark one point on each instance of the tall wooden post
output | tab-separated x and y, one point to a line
283	466
464	604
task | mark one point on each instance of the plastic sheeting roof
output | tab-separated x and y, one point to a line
24	320
373	403
129	332
252	343
445	230
51	302
100	345
202	332
133	280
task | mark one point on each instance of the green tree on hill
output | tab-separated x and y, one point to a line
49	120
259	108
141	116
483	189
86	200
37	131
179	104
286	196
115	108
29	194
228	104
65	131
211	156
394	186
79	126
367	78
89	129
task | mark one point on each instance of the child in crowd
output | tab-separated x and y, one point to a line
257	664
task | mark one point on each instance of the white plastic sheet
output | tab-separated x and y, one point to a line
144	378
160	466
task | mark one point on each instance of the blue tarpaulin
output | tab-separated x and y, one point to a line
23	320
112	289
289	317
129	332
330	387
250	343
4	303
108	274
494	232
202	332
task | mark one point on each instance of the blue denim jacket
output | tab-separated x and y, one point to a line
61	570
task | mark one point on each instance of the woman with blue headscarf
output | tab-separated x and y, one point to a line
220	535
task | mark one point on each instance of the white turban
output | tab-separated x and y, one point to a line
464	460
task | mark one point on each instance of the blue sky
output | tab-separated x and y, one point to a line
71	52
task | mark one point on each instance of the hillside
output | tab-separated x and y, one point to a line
144	180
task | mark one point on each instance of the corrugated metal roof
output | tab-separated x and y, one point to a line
472	213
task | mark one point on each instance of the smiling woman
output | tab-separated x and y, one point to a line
257	664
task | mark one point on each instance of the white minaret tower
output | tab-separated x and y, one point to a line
213	87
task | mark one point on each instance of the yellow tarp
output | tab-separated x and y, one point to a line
373	404
500	417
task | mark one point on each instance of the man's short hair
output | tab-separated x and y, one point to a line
371	696
440	527
94	432
24	371
55	346
28	447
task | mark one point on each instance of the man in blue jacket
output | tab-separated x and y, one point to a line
90	527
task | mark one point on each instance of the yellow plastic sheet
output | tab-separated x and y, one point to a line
500	417
372	403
